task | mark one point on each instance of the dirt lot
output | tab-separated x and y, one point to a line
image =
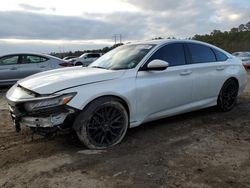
199	149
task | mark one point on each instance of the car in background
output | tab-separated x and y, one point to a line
14	67
130	85
85	59
67	58
244	57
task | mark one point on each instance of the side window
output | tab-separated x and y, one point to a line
172	53
201	53
9	60
89	56
220	56
96	55
26	59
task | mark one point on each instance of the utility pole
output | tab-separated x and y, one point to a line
117	37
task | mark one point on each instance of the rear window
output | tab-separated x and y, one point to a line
201	53
93	55
220	56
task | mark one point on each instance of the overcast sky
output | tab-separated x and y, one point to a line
56	25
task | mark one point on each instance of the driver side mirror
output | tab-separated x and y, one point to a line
157	65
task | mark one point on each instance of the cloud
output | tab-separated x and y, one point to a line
27	25
13	45
30	7
182	19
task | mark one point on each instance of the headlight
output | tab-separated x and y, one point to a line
48	102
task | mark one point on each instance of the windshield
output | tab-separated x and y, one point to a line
123	57
82	55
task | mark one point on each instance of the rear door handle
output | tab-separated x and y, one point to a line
42	66
186	72
220	68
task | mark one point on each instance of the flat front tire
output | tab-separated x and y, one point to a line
102	124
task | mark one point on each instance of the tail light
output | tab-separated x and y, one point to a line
245	66
66	64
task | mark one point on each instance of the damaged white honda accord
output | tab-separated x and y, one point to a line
130	85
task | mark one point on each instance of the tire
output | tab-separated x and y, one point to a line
78	64
228	95
102	124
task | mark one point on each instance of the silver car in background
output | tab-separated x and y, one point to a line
85	59
244	57
14	67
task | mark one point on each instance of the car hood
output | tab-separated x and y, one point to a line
56	80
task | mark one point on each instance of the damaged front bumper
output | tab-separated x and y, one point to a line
40	112
50	118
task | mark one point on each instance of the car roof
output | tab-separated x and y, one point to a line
31	53
168	41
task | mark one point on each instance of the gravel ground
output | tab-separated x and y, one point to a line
206	148
3	103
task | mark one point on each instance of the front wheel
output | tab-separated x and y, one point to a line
228	95
102	124
78	64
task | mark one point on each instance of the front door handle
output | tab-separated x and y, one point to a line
186	72
13	68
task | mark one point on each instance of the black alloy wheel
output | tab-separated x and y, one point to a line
103	124
228	95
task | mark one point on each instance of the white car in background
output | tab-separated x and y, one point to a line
85	59
244	57
128	86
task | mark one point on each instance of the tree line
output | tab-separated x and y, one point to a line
237	39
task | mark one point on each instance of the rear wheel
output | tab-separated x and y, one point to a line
102	124
228	95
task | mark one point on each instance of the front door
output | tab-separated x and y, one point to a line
162	93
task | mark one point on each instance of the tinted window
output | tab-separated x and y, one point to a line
220	56
9	60
171	53
93	55
201	53
32	59
96	55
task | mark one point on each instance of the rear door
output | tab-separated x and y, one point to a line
30	64
208	71
9	72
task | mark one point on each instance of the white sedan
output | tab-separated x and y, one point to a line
130	85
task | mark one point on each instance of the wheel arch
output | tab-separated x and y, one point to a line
229	78
233	78
123	101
